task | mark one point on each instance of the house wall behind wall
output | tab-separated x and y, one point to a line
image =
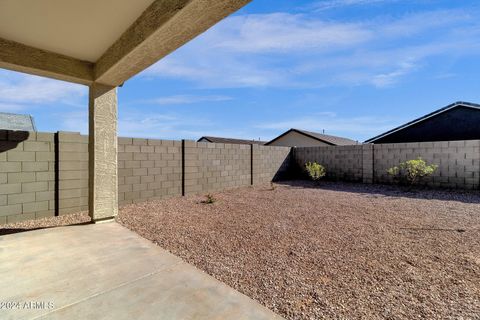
44	174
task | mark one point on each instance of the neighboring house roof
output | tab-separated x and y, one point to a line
18	122
230	140
425	117
328	139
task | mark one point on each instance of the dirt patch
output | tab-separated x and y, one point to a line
334	251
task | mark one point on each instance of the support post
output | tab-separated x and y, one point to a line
102	149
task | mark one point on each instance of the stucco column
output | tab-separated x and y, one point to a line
102	148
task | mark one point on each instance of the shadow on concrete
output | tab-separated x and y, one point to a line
389	191
7	231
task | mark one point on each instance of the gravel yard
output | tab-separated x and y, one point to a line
335	251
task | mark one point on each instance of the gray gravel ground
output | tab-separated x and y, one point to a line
333	251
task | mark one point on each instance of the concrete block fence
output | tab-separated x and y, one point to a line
148	169
155	169
216	166
270	163
27	175
458	161
341	162
46	174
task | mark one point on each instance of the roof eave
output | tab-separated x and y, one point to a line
425	117
301	132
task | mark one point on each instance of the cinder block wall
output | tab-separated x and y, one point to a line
148	169
72	173
27	175
458	161
270	163
31	164
155	169
341	162
46	174
216	166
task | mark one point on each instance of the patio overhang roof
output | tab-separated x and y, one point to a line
100	44
107	41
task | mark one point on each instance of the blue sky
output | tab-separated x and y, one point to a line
353	68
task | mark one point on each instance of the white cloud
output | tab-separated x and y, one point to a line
305	50
216	70
130	123
388	79
418	23
447	75
27	89
189	99
332	4
22	92
231	54
11	107
169	125
178	126
257	33
75	121
356	128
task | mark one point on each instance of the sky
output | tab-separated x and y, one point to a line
354	68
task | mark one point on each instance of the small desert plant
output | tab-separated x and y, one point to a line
315	170
412	171
209	199
272	186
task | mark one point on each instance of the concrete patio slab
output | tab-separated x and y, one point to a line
105	271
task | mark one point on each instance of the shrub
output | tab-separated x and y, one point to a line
315	171
209	199
412	171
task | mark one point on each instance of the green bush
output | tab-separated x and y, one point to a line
315	171
412	171
209	199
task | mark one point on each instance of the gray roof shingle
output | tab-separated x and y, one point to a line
231	140
332	140
17	122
